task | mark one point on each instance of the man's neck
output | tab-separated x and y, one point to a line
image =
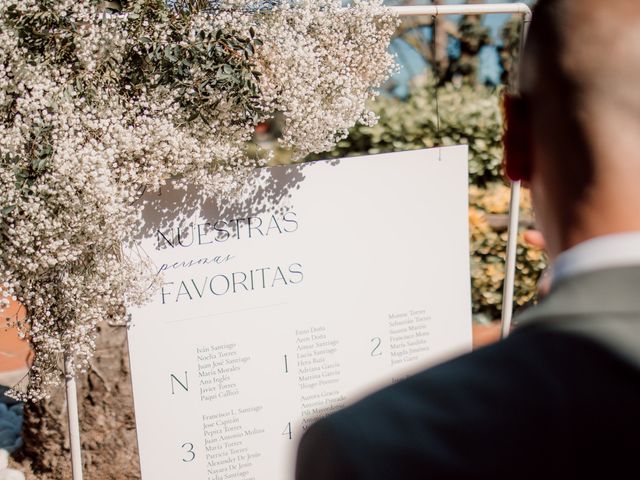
609	210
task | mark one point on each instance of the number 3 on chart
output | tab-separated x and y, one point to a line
190	454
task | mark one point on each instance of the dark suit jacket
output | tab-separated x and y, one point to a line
560	398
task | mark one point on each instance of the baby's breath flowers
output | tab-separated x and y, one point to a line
100	101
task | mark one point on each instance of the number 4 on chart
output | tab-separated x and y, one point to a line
287	431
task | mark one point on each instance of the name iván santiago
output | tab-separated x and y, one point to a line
234	282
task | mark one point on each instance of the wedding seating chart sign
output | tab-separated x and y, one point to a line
322	283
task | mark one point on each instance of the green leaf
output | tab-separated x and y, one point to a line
8	209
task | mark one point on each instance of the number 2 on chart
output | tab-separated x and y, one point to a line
377	351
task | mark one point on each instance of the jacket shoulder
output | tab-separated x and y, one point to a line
458	414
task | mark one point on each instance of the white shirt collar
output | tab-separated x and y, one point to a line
610	251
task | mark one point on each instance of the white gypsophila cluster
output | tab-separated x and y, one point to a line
97	106
320	64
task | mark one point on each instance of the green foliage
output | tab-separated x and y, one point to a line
473	35
488	252
205	66
509	51
42	29
468	115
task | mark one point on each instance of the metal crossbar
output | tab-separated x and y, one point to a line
475	9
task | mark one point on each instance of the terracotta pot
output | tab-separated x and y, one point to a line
14	351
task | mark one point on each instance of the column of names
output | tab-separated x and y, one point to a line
319	374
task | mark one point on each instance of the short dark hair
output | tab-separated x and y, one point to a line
554	104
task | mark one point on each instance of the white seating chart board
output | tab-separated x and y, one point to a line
325	282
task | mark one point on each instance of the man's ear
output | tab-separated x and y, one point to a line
517	139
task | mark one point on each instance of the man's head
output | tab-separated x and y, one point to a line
573	133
